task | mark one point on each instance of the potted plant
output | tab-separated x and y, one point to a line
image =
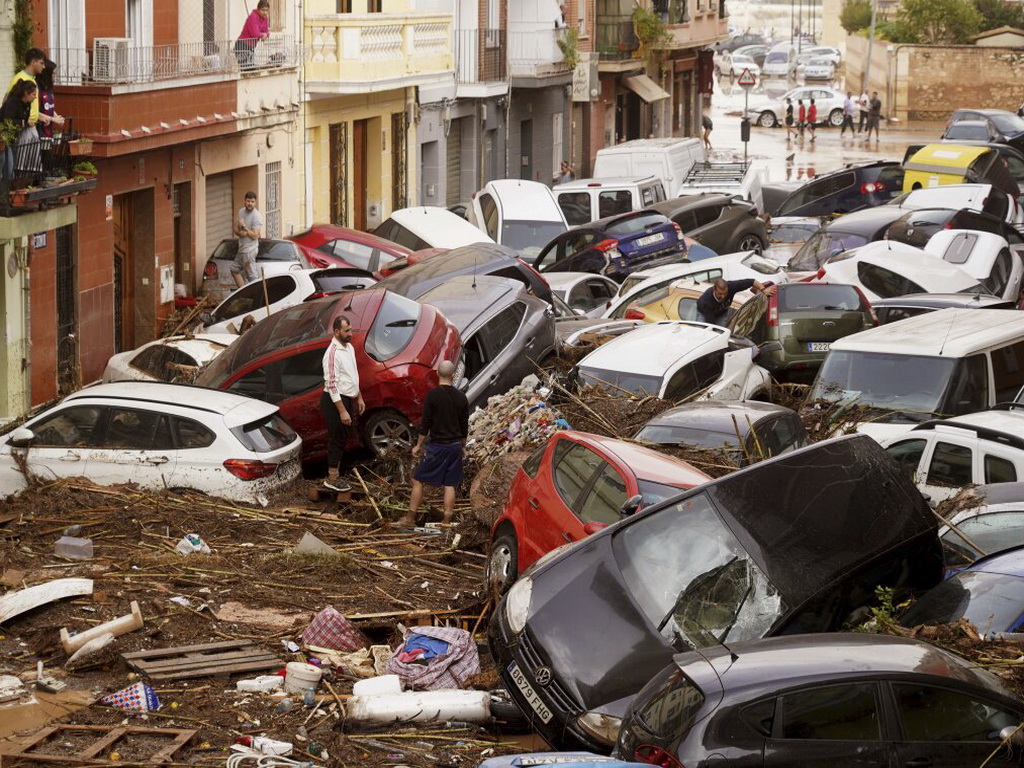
84	170
8	134
80	147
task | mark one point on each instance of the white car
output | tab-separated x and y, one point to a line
885	269
988	258
273	257
586	294
677	360
429	226
945	455
995	524
282	291
170	359
741	62
832	55
985	198
157	436
780	61
518	213
769	113
819	69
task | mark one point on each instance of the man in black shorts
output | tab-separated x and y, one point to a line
446	423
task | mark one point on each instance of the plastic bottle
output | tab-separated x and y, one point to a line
265	745
285	705
309	698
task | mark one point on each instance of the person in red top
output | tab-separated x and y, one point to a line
812	118
801	117
257	27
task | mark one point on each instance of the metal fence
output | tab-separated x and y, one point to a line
482	55
616	38
33	163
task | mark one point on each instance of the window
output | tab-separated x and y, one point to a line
885	282
489	211
614	202
687	220
907	454
301	373
265	435
950	465
760	717
251	297
192	434
158	361
576	207
69	428
272	200
999	276
682	384
835	713
706	214
502	328
137	430
605	499
1008	371
937	714
358	255
999	470
574	467
532	464
393	327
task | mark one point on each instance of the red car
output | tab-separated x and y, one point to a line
326	245
573	486
399	343
416	257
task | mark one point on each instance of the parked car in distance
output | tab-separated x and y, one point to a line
780	62
723	223
763	551
794	328
615	246
156	436
575	485
328	245
971	130
517	213
994	524
812	699
746	430
398	345
745	39
676	361
168	359
914	304
769	113
1007	127
585	200
428	226
834	55
846	190
273	257
819	68
670	159
740	63
755	51
506	331
586	294
282	291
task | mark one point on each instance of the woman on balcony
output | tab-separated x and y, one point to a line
257	27
16	109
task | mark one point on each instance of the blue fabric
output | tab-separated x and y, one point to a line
441	465
431	646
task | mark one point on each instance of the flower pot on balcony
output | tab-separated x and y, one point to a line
80	147
19	198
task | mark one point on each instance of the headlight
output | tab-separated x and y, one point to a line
604	728
517	604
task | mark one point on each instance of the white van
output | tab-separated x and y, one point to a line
429	226
586	200
668	159
517	213
945	363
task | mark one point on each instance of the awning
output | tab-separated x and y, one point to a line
645	88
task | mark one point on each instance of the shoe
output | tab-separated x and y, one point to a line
339	485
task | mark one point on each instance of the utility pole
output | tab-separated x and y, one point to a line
871	43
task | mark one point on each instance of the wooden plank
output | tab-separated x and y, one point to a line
199	660
210	671
108	737
186	649
103	743
16	603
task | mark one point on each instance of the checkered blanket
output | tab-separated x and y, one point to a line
449	670
330	629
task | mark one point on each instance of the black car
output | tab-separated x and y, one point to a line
823	701
913	304
916	227
842	234
1012	156
848	189
723	223
1005	126
477	259
792	544
615	246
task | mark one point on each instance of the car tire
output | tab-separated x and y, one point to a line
748	242
502	561
505	710
388	430
767	119
835	117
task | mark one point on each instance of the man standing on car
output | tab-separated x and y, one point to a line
248	230
445	424
713	305
341	401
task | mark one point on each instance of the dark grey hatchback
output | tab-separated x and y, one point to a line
793	544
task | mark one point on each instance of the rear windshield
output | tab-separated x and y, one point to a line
266	435
328	283
528	237
636	224
1007	123
965	130
820	248
621	382
702	438
803	298
275	250
393	327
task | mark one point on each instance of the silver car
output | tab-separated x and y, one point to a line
829	101
274	257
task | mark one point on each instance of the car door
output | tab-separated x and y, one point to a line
502	363
197	466
950	467
134	445
948	728
910	455
62	441
557	250
591	295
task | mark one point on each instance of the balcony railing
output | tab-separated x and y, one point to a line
535	53
481	55
36	173
616	38
117	61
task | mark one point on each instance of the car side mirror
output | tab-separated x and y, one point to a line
22	437
591	528
631	506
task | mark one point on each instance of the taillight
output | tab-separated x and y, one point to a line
652	755
607	245
679	232
867	305
211	269
249	469
872	186
318	295
773	311
633	313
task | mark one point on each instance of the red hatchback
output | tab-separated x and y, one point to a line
399	343
575	485
326	245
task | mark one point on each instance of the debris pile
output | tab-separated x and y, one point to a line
520	419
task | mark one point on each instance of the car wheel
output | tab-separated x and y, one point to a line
767	120
835	118
504	709
749	242
502	562
388	430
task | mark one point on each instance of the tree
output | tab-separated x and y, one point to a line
856	15
937	21
997	13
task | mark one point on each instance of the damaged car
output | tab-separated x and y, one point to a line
767	550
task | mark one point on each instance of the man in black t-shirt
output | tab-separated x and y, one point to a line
445	426
713	305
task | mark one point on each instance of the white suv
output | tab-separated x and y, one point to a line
946	454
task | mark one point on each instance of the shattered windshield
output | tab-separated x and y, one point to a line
692	578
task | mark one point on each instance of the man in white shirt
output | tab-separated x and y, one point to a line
248	230
864	106
341	401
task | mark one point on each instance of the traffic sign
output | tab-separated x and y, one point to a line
747	79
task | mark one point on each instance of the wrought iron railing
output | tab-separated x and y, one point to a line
616	38
38	168
482	55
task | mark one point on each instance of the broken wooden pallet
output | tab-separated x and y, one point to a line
202	660
107	741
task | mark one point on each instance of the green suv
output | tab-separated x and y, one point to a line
795	328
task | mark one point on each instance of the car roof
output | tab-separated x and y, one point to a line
476	256
713	415
464	299
1001	493
889	254
685	201
607	181
523	199
609	221
949	332
430	222
645	463
653	349
327	232
943	300
1006	421
960	194
1008	562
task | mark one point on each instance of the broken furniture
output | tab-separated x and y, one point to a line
107	741
115	627
202	660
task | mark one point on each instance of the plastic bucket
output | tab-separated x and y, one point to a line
299	676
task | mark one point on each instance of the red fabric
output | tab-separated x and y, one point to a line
255	27
329	629
812	113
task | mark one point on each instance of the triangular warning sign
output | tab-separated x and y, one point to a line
747	77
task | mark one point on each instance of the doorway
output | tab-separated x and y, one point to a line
339	173
182	232
359	177
124	316
67	313
526	149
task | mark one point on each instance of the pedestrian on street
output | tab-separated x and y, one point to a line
708	126
801	117
848	108
257	27
444	428
864	104
248	230
812	118
789	119
713	305
874	115
567	173
341	401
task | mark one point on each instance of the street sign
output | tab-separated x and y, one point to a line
747	79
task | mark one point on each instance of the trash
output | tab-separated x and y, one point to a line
192	543
311	545
356	664
446	667
330	629
269	618
94	645
137	697
116	627
11	687
299	676
182	601
73	530
514	421
265	745
14	603
202	660
73	549
309	698
284	705
261	683
48	684
381	658
420	707
378	686
291	646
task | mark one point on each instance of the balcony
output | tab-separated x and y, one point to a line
695	23
534	57
481	57
43	176
616	39
354	53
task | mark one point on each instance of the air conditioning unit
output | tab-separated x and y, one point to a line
110	59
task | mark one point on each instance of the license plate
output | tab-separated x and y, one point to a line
819	346
532	698
655	238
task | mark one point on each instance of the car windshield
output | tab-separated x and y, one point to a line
702	590
266	435
776	57
277	250
820	62
393	327
820	248
528	237
619	382
895	382
1007	122
793	233
991	601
